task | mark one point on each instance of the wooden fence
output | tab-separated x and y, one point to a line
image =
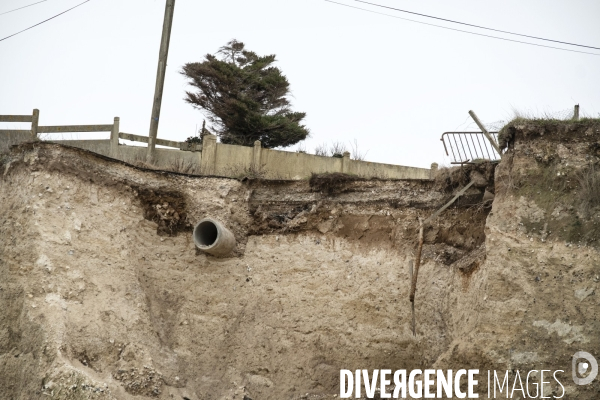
22	118
113	128
36	129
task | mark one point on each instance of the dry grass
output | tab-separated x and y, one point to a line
140	161
242	173
301	148
540	119
337	149
252	173
179	165
321	150
356	154
184	167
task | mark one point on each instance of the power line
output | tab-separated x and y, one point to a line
39	23
477	26
461	30
20	8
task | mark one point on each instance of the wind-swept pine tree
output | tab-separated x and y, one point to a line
245	98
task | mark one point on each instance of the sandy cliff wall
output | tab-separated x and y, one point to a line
538	301
103	289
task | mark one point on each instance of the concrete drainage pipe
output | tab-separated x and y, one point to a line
212	237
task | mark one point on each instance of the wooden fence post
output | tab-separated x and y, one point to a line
114	138
413	286
35	118
576	113
412	303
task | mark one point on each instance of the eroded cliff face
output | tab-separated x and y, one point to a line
537	302
104	295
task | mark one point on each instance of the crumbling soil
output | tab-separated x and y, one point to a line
167	209
451	179
332	183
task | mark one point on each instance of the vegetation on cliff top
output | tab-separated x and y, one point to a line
245	98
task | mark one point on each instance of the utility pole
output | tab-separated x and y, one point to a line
160	78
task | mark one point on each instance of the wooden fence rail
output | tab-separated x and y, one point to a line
15	131
112	128
74	128
35	129
33	118
161	142
16	118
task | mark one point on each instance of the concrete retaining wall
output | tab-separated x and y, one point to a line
286	165
238	161
8	139
181	161
235	161
387	171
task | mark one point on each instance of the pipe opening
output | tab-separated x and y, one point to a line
206	233
212	237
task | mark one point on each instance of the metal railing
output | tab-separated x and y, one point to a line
469	147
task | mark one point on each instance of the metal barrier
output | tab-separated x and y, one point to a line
470	147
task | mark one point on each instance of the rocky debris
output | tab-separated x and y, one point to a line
449	180
72	385
582	294
167	208
447	255
239	393
478	179
146	382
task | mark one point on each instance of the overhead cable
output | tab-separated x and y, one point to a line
464	31
476	26
46	20
20	8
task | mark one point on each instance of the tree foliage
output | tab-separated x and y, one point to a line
245	98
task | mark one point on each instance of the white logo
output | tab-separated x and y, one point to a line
581	367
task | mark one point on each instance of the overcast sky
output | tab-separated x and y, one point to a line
393	85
